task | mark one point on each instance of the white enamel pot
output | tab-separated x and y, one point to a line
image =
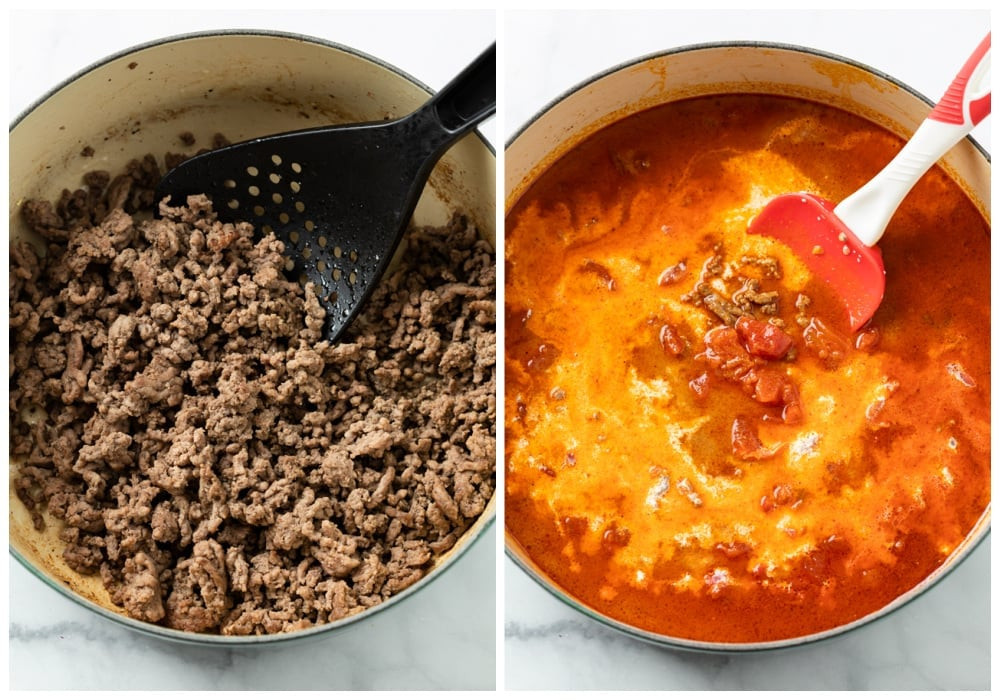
733	68
242	84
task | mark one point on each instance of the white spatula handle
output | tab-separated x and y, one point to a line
966	103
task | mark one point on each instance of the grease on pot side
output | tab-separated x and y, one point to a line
696	444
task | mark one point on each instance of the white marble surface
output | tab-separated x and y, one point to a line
940	641
442	637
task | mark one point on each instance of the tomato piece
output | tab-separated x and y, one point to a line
671	341
766	384
770	386
763	339
726	354
775	388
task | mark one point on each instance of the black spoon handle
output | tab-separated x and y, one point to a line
467	100
471	96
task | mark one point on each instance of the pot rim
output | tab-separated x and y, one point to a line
481	526
683	644
967	547
711	45
216	33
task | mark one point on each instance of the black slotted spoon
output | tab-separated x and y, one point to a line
340	197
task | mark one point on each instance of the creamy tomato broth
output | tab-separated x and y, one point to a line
696	443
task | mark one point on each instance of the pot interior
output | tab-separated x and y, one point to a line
732	69
727	69
242	85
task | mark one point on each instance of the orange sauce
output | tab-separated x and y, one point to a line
667	485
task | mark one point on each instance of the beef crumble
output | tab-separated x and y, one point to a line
747	300
220	465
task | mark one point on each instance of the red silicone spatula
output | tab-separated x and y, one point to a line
837	243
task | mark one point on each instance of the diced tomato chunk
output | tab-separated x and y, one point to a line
766	383
763	339
671	341
722	342
770	386
775	388
726	354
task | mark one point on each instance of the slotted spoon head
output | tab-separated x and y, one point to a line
339	197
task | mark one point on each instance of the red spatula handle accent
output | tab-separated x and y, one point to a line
867	212
965	101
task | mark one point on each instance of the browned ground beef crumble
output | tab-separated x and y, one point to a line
218	463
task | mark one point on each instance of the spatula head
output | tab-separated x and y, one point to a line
806	224
339	198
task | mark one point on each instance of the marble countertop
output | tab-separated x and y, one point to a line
939	641
442	637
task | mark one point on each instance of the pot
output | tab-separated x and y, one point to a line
733	68
242	84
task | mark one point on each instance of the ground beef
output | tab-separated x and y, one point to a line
742	280
220	464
